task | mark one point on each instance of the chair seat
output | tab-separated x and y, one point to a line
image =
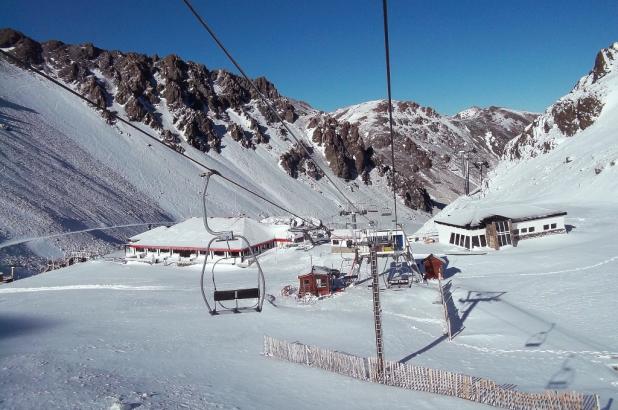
249	293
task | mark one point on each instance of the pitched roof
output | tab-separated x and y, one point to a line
472	215
192	234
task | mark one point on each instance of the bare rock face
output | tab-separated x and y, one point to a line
25	48
573	116
239	135
344	149
133	77
266	88
94	91
413	193
420	158
296	161
603	62
9	37
570	115
200	131
143	84
173	94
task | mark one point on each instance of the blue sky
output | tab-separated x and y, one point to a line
448	55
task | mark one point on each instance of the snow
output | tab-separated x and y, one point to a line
191	233
107	335
100	333
472	213
468	113
65	169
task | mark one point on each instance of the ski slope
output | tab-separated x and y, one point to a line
65	169
100	334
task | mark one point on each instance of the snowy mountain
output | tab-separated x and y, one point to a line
66	168
429	143
570	152
70	166
568	157
101	334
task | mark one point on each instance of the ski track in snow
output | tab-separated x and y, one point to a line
483	349
57	235
579	269
83	287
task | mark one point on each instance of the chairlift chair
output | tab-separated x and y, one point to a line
399	275
217	304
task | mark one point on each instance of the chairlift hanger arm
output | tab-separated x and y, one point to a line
224	235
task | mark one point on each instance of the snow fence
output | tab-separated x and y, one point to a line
425	379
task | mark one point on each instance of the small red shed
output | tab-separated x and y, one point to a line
434	267
314	283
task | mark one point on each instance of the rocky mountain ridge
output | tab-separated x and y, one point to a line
571	114
189	105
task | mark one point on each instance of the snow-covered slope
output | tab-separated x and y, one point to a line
70	166
570	152
65	169
568	157
99	334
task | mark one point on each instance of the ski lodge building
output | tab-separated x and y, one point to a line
186	243
495	227
349	240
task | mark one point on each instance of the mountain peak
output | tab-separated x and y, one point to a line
574	112
605	62
468	113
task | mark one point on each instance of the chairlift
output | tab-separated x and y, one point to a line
219	302
399	275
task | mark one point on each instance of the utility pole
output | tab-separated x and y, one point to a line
377	311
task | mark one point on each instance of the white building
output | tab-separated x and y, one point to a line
344	240
187	242
494	227
348	240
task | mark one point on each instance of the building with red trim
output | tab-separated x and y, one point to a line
187	242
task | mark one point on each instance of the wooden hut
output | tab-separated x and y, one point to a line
434	267
314	283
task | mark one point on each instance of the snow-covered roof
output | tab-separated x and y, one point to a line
192	234
474	215
342	234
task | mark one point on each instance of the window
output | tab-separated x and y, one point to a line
184	254
504	235
456	239
467	242
461	240
475	241
545	227
219	253
531	229
483	241
234	254
335	242
452	240
524	230
306	282
553	226
516	231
